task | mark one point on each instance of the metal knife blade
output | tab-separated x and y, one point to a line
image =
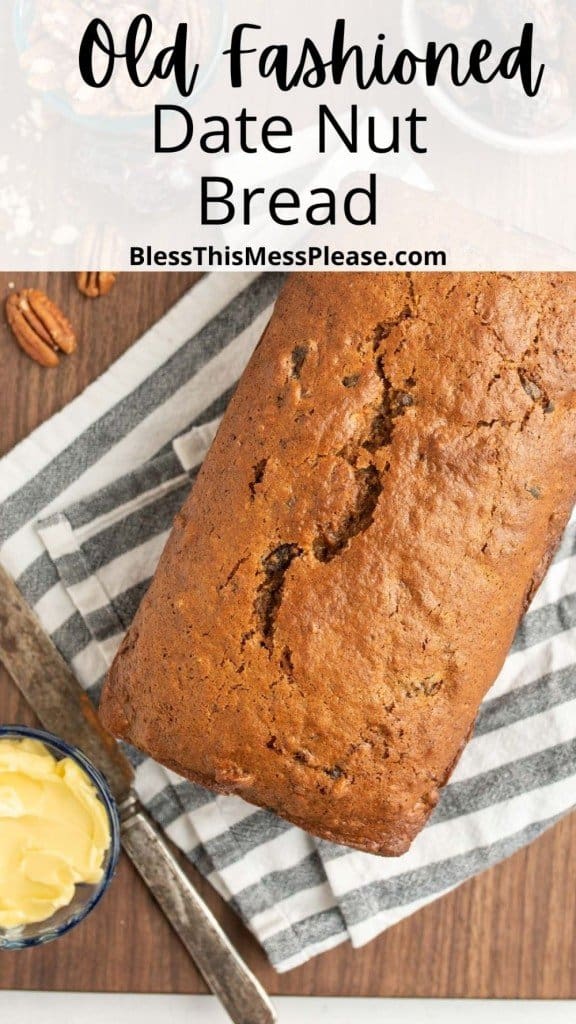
54	693
52	690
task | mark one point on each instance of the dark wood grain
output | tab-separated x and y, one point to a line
510	933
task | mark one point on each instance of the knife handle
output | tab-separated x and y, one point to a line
221	966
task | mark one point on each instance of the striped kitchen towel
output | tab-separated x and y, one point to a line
87	502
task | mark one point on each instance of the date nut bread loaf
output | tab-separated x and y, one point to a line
342	586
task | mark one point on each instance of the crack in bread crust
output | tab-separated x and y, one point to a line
342	587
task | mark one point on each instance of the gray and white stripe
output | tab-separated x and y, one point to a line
87	503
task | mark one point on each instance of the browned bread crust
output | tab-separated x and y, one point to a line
344	582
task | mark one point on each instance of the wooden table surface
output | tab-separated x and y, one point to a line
510	933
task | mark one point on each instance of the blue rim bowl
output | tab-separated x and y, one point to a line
86	896
23	12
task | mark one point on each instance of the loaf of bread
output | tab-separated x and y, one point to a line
342	587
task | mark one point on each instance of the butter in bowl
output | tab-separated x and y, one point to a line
59	837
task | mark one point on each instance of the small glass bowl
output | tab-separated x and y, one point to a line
86	896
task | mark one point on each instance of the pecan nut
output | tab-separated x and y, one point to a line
39	326
94	283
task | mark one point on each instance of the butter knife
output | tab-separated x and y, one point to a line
54	693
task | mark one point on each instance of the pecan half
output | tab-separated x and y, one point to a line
40	328
94	283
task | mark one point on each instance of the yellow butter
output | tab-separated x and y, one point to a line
54	832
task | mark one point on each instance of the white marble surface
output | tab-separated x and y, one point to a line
53	1008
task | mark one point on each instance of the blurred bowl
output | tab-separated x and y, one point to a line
85	896
562	140
123	121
